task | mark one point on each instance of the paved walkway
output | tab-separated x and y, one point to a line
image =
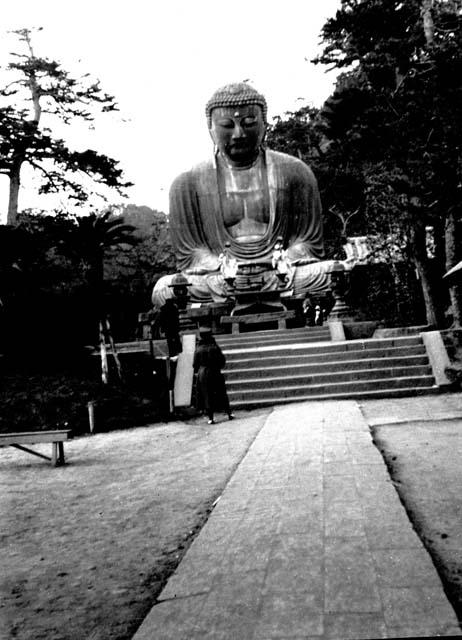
308	540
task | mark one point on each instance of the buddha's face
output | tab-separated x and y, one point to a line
238	132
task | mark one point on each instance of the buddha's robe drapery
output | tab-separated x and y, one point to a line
199	233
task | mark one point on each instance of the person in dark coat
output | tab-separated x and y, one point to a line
210	382
169	322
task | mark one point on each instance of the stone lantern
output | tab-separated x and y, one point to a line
339	285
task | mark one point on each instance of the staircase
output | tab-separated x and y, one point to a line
274	367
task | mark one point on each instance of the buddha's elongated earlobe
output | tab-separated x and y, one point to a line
263	140
215	146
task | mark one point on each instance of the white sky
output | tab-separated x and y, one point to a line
162	60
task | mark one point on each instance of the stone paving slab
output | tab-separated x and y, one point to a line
308	540
447	406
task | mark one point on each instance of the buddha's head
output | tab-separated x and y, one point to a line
236	117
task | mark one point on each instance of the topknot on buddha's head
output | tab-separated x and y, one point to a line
237	94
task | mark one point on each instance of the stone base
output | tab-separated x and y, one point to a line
262	306
257	319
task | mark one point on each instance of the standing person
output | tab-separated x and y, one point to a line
169	321
210	383
319	316
308	311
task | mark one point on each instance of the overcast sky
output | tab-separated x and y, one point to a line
162	61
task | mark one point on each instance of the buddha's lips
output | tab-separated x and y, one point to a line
240	148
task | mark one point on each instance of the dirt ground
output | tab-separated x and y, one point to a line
421	441
86	548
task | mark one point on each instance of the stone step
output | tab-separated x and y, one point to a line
325	347
273	332
256	369
245	340
267	381
247	337
257	403
286	357
304	391
272	368
273	342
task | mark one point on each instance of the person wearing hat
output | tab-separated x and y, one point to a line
210	381
169	322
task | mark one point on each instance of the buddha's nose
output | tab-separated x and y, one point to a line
238	131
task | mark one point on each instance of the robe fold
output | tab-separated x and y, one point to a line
199	233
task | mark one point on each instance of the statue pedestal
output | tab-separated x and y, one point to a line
255	309
257	302
257	319
249	309
208	315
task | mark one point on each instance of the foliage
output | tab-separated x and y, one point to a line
387	143
40	90
49	266
151	257
131	274
58	272
388	293
58	400
400	107
303	134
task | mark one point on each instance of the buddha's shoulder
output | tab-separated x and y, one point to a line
290	165
194	174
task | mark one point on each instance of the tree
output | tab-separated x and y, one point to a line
397	110
41	87
303	133
136	270
96	234
11	240
349	189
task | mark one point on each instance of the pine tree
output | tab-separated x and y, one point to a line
42	87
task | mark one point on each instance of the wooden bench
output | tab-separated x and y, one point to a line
257	318
56	438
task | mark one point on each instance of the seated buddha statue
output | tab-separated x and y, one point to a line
249	199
